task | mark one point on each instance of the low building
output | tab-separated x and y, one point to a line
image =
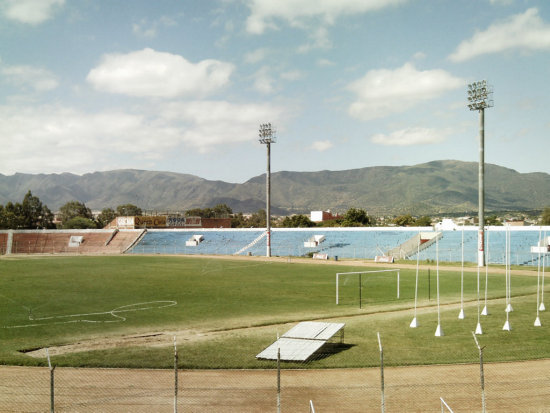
167	221
320	216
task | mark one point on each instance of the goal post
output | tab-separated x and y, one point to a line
360	286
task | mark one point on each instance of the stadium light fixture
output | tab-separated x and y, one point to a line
479	98
267	136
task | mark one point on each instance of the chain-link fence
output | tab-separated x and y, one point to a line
508	387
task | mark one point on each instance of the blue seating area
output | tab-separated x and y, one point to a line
361	243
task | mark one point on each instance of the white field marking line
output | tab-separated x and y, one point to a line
28	309
122	309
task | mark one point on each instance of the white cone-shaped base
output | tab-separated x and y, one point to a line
507	326
461	314
479	331
485	311
542	307
414	323
537	322
439	331
509	308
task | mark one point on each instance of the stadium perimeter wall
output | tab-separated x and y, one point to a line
351	243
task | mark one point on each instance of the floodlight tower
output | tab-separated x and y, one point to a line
267	137
480	98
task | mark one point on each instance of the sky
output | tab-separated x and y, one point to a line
184	85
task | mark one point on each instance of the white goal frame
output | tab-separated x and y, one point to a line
338	274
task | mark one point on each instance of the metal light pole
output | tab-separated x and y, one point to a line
479	98
267	137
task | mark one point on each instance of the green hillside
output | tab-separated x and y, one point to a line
430	188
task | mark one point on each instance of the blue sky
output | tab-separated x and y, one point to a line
182	86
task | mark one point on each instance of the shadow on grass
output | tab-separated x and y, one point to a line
330	349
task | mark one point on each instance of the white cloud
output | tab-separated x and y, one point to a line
325	62
256	56
383	91
322	146
50	138
148	29
264	13
24	77
292	75
263	81
501	2
522	31
57	139
212	124
30	11
158	74
410	137
319	40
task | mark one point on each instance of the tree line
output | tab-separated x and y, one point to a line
32	214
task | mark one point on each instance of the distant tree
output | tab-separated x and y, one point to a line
330	223
239	221
34	214
80	223
74	209
128	210
297	221
546	216
198	212
493	220
355	217
222	211
11	217
424	221
258	219
30	214
105	217
219	211
403	220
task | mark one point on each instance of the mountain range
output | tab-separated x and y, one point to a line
436	187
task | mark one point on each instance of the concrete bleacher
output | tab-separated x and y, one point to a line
3	243
59	241
360	243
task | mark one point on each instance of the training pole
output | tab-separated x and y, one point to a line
414	323
485	310
507	326
537	322
461	314
478	327
542	307
509	307
175	376
438	330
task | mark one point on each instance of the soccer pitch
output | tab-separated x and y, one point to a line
223	312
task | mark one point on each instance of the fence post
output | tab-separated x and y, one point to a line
481	373
52	381
175	376
383	402
278	378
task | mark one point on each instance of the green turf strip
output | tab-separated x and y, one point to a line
52	301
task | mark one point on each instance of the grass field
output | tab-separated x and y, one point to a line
221	305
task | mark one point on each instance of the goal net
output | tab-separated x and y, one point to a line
367	286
